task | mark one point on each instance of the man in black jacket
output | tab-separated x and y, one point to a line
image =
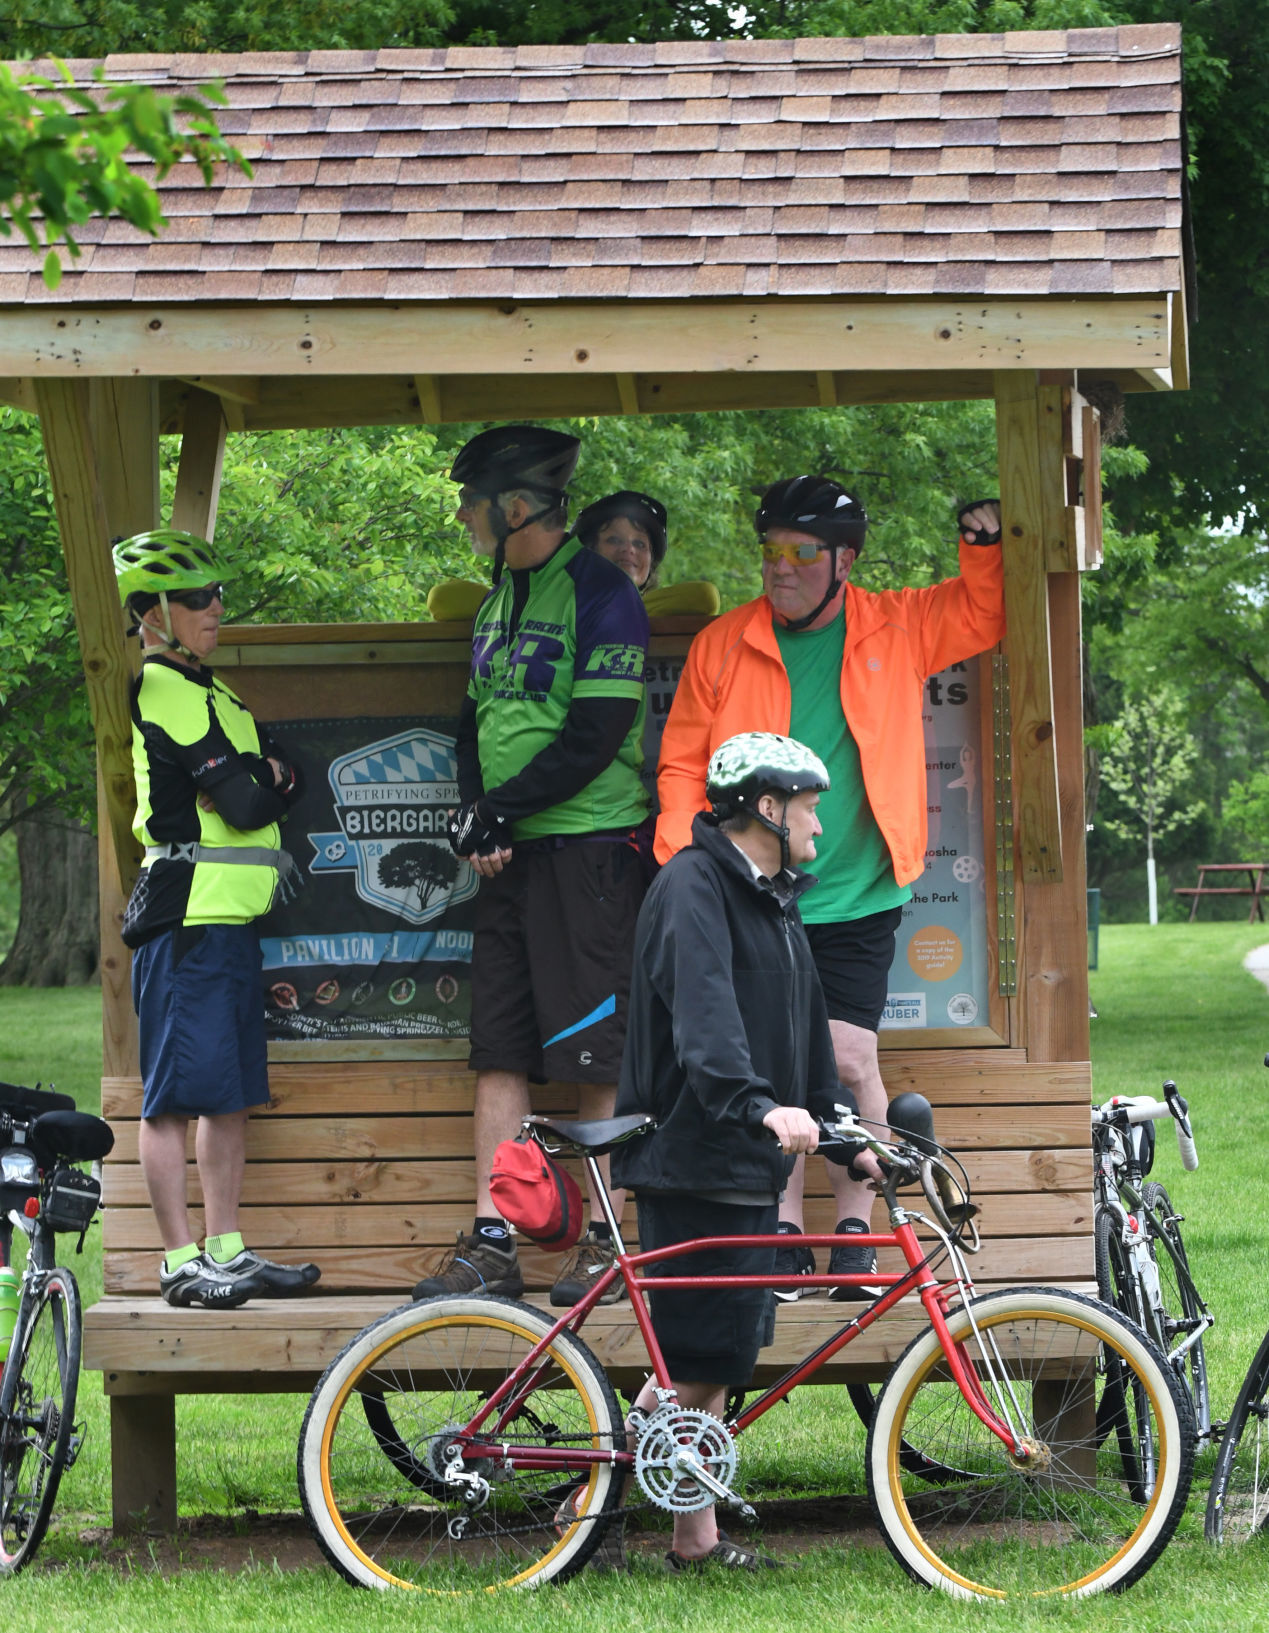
728	1047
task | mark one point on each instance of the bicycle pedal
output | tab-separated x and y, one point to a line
74	1447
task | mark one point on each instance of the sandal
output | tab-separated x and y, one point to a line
730	1555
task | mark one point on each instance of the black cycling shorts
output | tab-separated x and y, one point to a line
550	968
710	1337
853	959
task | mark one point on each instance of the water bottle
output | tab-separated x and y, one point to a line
10	1286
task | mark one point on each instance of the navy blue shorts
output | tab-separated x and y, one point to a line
200	1004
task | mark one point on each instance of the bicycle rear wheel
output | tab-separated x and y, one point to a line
37	1429
1123	1408
378	1438
1182	1309
1238	1501
1063	1521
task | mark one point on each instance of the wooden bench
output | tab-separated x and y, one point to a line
1255	872
368	1169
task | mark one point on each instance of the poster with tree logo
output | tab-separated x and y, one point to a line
371	935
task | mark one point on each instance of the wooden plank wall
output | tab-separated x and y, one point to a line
368	1168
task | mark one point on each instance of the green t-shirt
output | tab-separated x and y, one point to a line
852	861
583	632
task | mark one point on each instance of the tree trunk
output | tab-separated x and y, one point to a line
58	939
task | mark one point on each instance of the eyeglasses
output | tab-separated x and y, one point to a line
197	600
799	554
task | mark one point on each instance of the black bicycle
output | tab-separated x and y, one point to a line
42	1192
1142	1268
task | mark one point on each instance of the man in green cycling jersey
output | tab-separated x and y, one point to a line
210	796
549	749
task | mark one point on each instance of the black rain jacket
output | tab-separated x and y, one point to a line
726	1022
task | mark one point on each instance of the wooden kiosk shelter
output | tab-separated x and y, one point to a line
616	229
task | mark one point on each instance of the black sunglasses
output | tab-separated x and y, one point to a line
197	600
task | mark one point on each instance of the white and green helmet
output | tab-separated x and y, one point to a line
754	763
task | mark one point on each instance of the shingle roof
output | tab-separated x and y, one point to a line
1044	163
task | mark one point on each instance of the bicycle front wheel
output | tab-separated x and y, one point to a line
1181	1310
1238	1502
395	1496
37	1429
1061	1521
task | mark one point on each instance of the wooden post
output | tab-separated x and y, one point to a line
124	421
143	1462
85	529
198	474
1054	931
1037	824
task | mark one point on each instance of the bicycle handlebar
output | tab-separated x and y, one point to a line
1123	1111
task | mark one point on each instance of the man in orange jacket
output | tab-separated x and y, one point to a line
842	670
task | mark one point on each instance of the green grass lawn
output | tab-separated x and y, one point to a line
1173	1002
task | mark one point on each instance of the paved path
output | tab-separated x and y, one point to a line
1257	963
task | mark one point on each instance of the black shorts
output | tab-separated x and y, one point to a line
853	960
550	969
711	1338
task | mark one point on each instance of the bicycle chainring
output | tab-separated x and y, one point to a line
666	1434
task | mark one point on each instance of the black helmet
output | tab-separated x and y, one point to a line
814	505
636	507
517	456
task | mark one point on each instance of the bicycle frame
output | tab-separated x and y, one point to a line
1119	1194
936	1297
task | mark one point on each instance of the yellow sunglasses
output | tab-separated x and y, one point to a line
798	554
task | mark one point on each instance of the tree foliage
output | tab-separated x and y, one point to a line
1149	763
65	155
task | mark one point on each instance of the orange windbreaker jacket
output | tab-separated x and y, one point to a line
734	681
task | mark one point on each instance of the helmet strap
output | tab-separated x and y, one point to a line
503	529
779	829
796	625
165	634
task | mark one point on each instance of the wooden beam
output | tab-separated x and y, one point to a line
288	402
124	423
1180	341
1054	929
826	386
628	393
18	394
580	339
428	388
238	388
1037	824
85	530
1091	485
198	474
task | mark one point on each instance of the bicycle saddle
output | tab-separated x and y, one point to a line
75	1135
593	1139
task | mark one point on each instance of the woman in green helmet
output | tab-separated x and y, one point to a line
210	796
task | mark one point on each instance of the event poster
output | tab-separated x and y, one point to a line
371	934
374	938
940	976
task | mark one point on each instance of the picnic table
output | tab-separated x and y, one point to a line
1255	872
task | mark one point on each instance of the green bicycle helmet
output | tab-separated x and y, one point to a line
754	763
164	560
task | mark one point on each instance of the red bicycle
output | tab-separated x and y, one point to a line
477	1442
